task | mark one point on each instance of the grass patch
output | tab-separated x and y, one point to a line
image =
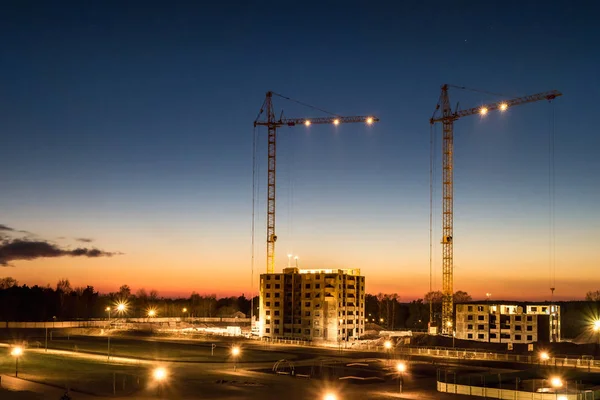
77	374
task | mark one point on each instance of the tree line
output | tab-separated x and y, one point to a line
387	311
64	302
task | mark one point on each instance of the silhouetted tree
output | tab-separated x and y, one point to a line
8	282
461	297
124	292
592	295
64	286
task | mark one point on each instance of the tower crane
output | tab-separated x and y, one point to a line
272	124
447	119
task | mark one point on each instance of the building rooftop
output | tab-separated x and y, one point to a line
510	303
344	271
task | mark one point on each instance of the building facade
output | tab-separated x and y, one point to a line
317	305
508	323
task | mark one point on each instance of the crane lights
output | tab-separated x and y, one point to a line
337	121
502	107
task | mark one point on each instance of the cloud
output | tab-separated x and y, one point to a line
4	228
28	248
19	249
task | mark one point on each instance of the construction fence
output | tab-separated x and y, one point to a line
507	394
534	359
101	323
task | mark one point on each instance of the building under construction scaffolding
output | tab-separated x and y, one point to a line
317	305
504	322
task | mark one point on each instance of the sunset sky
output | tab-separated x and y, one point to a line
133	127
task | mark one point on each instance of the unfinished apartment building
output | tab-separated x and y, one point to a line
508	323
317	305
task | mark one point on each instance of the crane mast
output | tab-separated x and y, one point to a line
272	124
447	119
447	212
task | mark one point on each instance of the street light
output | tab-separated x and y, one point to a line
151	313
160	376
16	353
401	368
387	345
544	356
556	382
596	328
330	396
121	307
107	309
235	352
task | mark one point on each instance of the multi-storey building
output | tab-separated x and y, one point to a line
320	305
508	323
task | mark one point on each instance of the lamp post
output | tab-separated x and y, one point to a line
184	311
330	396
388	347
16	353
544	357
401	367
121	308
597	330
107	309
160	375
556	383
235	352
449	325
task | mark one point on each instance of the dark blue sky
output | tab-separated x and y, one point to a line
131	122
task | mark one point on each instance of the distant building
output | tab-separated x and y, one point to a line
508	323
237	314
320	305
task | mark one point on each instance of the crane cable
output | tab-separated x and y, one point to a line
552	201
253	225
431	157
305	104
480	91
290	200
